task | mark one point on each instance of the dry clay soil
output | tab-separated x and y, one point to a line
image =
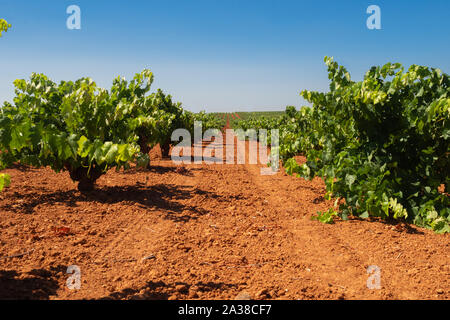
203	231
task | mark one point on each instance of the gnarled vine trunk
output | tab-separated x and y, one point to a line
86	177
144	145
165	150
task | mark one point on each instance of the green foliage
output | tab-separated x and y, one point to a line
294	129
77	126
209	121
165	104
382	144
258	124
5	181
150	116
4	26
253	115
181	119
325	217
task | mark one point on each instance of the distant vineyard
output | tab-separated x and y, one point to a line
234	118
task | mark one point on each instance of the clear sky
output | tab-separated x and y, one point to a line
219	55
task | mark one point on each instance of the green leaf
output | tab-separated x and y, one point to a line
364	215
5	181
350	179
111	154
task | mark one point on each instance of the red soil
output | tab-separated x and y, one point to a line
203	232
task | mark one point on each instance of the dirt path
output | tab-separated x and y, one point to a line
209	232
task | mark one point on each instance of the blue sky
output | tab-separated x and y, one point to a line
219	55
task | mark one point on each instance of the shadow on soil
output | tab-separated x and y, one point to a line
161	196
22	167
399	226
157	169
162	291
38	284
